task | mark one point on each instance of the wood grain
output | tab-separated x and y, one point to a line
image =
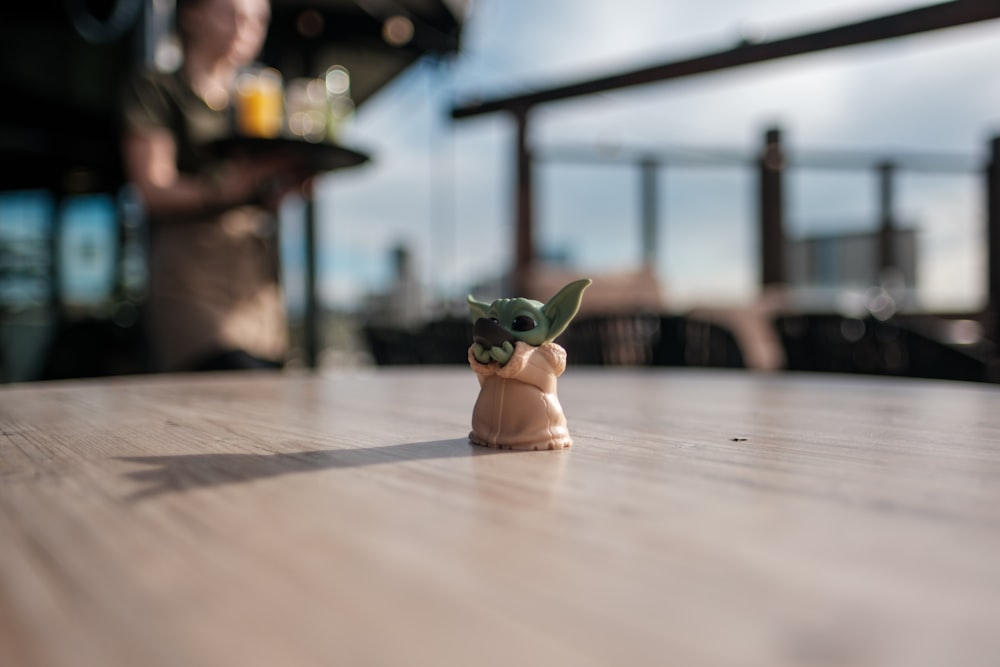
701	518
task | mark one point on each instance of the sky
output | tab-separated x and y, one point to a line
444	188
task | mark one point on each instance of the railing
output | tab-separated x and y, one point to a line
772	165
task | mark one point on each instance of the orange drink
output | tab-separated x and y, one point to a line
259	103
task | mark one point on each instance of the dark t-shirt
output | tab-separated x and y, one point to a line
165	100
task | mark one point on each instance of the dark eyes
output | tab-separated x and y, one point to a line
522	323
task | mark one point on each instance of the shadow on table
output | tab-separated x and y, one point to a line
169	474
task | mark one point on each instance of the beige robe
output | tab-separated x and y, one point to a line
517	406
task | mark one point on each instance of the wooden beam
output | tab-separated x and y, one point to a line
923	19
524	260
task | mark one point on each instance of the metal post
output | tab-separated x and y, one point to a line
772	214
56	295
311	322
650	213
993	240
524	243
887	226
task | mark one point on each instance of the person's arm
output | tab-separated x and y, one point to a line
151	165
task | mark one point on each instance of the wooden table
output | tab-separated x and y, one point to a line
701	518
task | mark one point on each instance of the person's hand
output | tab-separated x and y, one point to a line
286	176
264	180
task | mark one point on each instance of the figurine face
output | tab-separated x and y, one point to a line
514	320
501	324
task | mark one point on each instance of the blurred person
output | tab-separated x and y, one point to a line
215	301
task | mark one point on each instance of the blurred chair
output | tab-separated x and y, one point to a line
391	346
612	340
898	346
649	339
704	344
640	339
443	341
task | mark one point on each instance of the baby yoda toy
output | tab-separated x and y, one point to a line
517	365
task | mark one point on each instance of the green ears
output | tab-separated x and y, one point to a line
478	308
562	308
531	321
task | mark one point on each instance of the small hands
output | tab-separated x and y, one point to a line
500	354
481	354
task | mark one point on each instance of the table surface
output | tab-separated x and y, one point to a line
701	518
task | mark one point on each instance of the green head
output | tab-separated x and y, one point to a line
526	320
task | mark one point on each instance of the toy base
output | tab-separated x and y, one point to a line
563	443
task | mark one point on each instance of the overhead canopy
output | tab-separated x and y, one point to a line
61	63
374	39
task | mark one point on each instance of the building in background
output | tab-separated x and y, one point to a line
833	263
